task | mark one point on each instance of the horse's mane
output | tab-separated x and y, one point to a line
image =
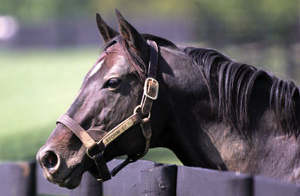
232	84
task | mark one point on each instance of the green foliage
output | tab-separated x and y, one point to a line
233	13
34	11
217	22
248	19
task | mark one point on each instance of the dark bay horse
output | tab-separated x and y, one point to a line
144	91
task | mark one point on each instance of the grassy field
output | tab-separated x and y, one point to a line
37	86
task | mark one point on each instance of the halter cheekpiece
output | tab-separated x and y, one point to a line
141	115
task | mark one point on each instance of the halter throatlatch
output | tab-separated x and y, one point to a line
141	115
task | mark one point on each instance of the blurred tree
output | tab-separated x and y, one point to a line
35	11
237	20
218	22
32	11
267	22
248	20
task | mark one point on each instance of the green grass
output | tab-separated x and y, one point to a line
37	86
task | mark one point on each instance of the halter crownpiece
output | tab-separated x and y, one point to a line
95	149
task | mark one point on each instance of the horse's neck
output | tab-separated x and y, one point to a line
270	152
206	142
217	145
184	88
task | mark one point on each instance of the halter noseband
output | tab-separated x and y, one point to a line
141	115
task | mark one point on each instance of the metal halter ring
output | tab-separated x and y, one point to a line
135	111
88	152
140	107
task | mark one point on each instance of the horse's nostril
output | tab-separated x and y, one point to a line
49	160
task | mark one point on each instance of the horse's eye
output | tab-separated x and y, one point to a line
113	83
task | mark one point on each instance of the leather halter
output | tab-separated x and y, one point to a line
141	115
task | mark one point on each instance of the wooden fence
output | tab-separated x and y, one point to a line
144	178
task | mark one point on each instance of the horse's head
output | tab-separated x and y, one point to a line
110	94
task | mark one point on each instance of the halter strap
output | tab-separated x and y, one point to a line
152	69
84	137
95	149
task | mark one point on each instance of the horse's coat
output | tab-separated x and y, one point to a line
211	111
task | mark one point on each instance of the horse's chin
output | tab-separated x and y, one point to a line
70	181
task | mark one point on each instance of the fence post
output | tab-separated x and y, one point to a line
159	181
199	181
128	180
89	186
17	179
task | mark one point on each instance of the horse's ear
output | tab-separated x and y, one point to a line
132	37
106	31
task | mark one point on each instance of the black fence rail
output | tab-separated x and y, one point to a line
144	178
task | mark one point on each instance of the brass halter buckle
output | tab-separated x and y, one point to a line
151	88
